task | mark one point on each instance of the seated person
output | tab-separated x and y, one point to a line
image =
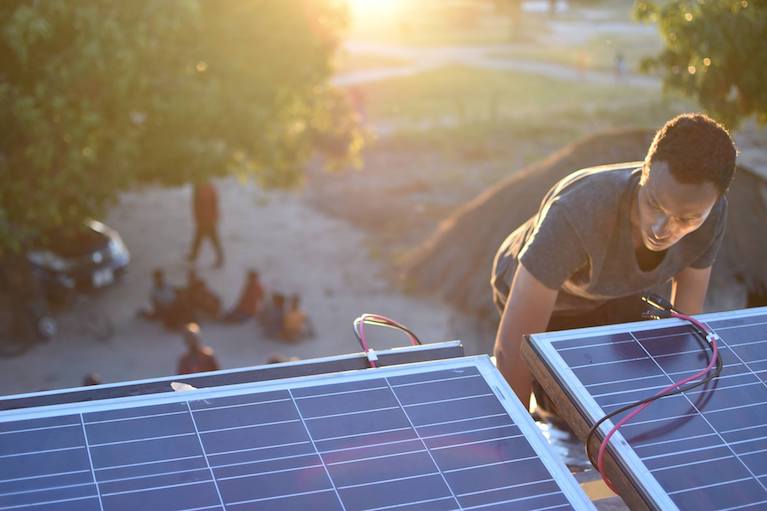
605	235
279	358
162	296
198	357
250	300
92	379
295	323
201	298
272	317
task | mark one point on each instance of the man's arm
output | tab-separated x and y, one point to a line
688	290
528	310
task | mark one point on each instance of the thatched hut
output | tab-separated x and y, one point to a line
455	262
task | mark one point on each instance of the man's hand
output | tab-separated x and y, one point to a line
527	311
688	290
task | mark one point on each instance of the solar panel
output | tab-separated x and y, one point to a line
435	436
704	449
337	363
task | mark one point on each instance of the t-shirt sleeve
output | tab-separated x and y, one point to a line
708	257
554	251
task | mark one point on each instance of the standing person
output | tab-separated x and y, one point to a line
206	216
605	235
198	358
250	299
620	65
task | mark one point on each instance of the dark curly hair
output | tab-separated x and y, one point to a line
696	148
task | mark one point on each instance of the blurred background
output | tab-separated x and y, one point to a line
365	155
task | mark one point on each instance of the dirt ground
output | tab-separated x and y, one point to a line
337	242
296	249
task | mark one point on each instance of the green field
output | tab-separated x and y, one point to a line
466	94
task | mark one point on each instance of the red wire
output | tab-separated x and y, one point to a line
384	319
624	420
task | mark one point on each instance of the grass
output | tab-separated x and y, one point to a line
459	94
499	120
598	53
441	23
348	62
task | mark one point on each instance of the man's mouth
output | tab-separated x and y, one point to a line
655	242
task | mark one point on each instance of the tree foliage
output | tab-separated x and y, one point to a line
715	52
97	96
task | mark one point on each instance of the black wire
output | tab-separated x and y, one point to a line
701	337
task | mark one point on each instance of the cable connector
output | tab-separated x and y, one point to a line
712	337
657	302
655	314
372	357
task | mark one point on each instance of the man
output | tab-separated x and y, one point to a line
273	316
199	298
162	297
250	299
604	235
296	324
198	358
205	207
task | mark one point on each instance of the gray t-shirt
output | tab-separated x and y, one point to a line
580	242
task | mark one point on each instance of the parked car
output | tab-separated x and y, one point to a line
24	314
91	257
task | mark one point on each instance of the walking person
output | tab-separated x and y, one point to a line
206	216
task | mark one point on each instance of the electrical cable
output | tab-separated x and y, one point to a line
662	308
383	321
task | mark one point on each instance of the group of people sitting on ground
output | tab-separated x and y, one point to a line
284	319
175	307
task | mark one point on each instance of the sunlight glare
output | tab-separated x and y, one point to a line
366	10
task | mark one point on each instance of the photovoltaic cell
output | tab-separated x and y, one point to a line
437	436
705	449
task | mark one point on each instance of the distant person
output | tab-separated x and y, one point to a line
279	358
92	379
552	8
206	216
603	236
620	65
358	100
295	323
200	298
582	61
251	297
198	358
272	317
162	298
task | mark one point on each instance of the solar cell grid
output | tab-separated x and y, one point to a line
440	439
705	449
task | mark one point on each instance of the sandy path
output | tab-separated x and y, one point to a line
295	248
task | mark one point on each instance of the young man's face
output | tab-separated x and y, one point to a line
667	210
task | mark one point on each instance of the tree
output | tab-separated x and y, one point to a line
98	96
715	52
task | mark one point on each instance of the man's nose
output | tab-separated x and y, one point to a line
660	228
